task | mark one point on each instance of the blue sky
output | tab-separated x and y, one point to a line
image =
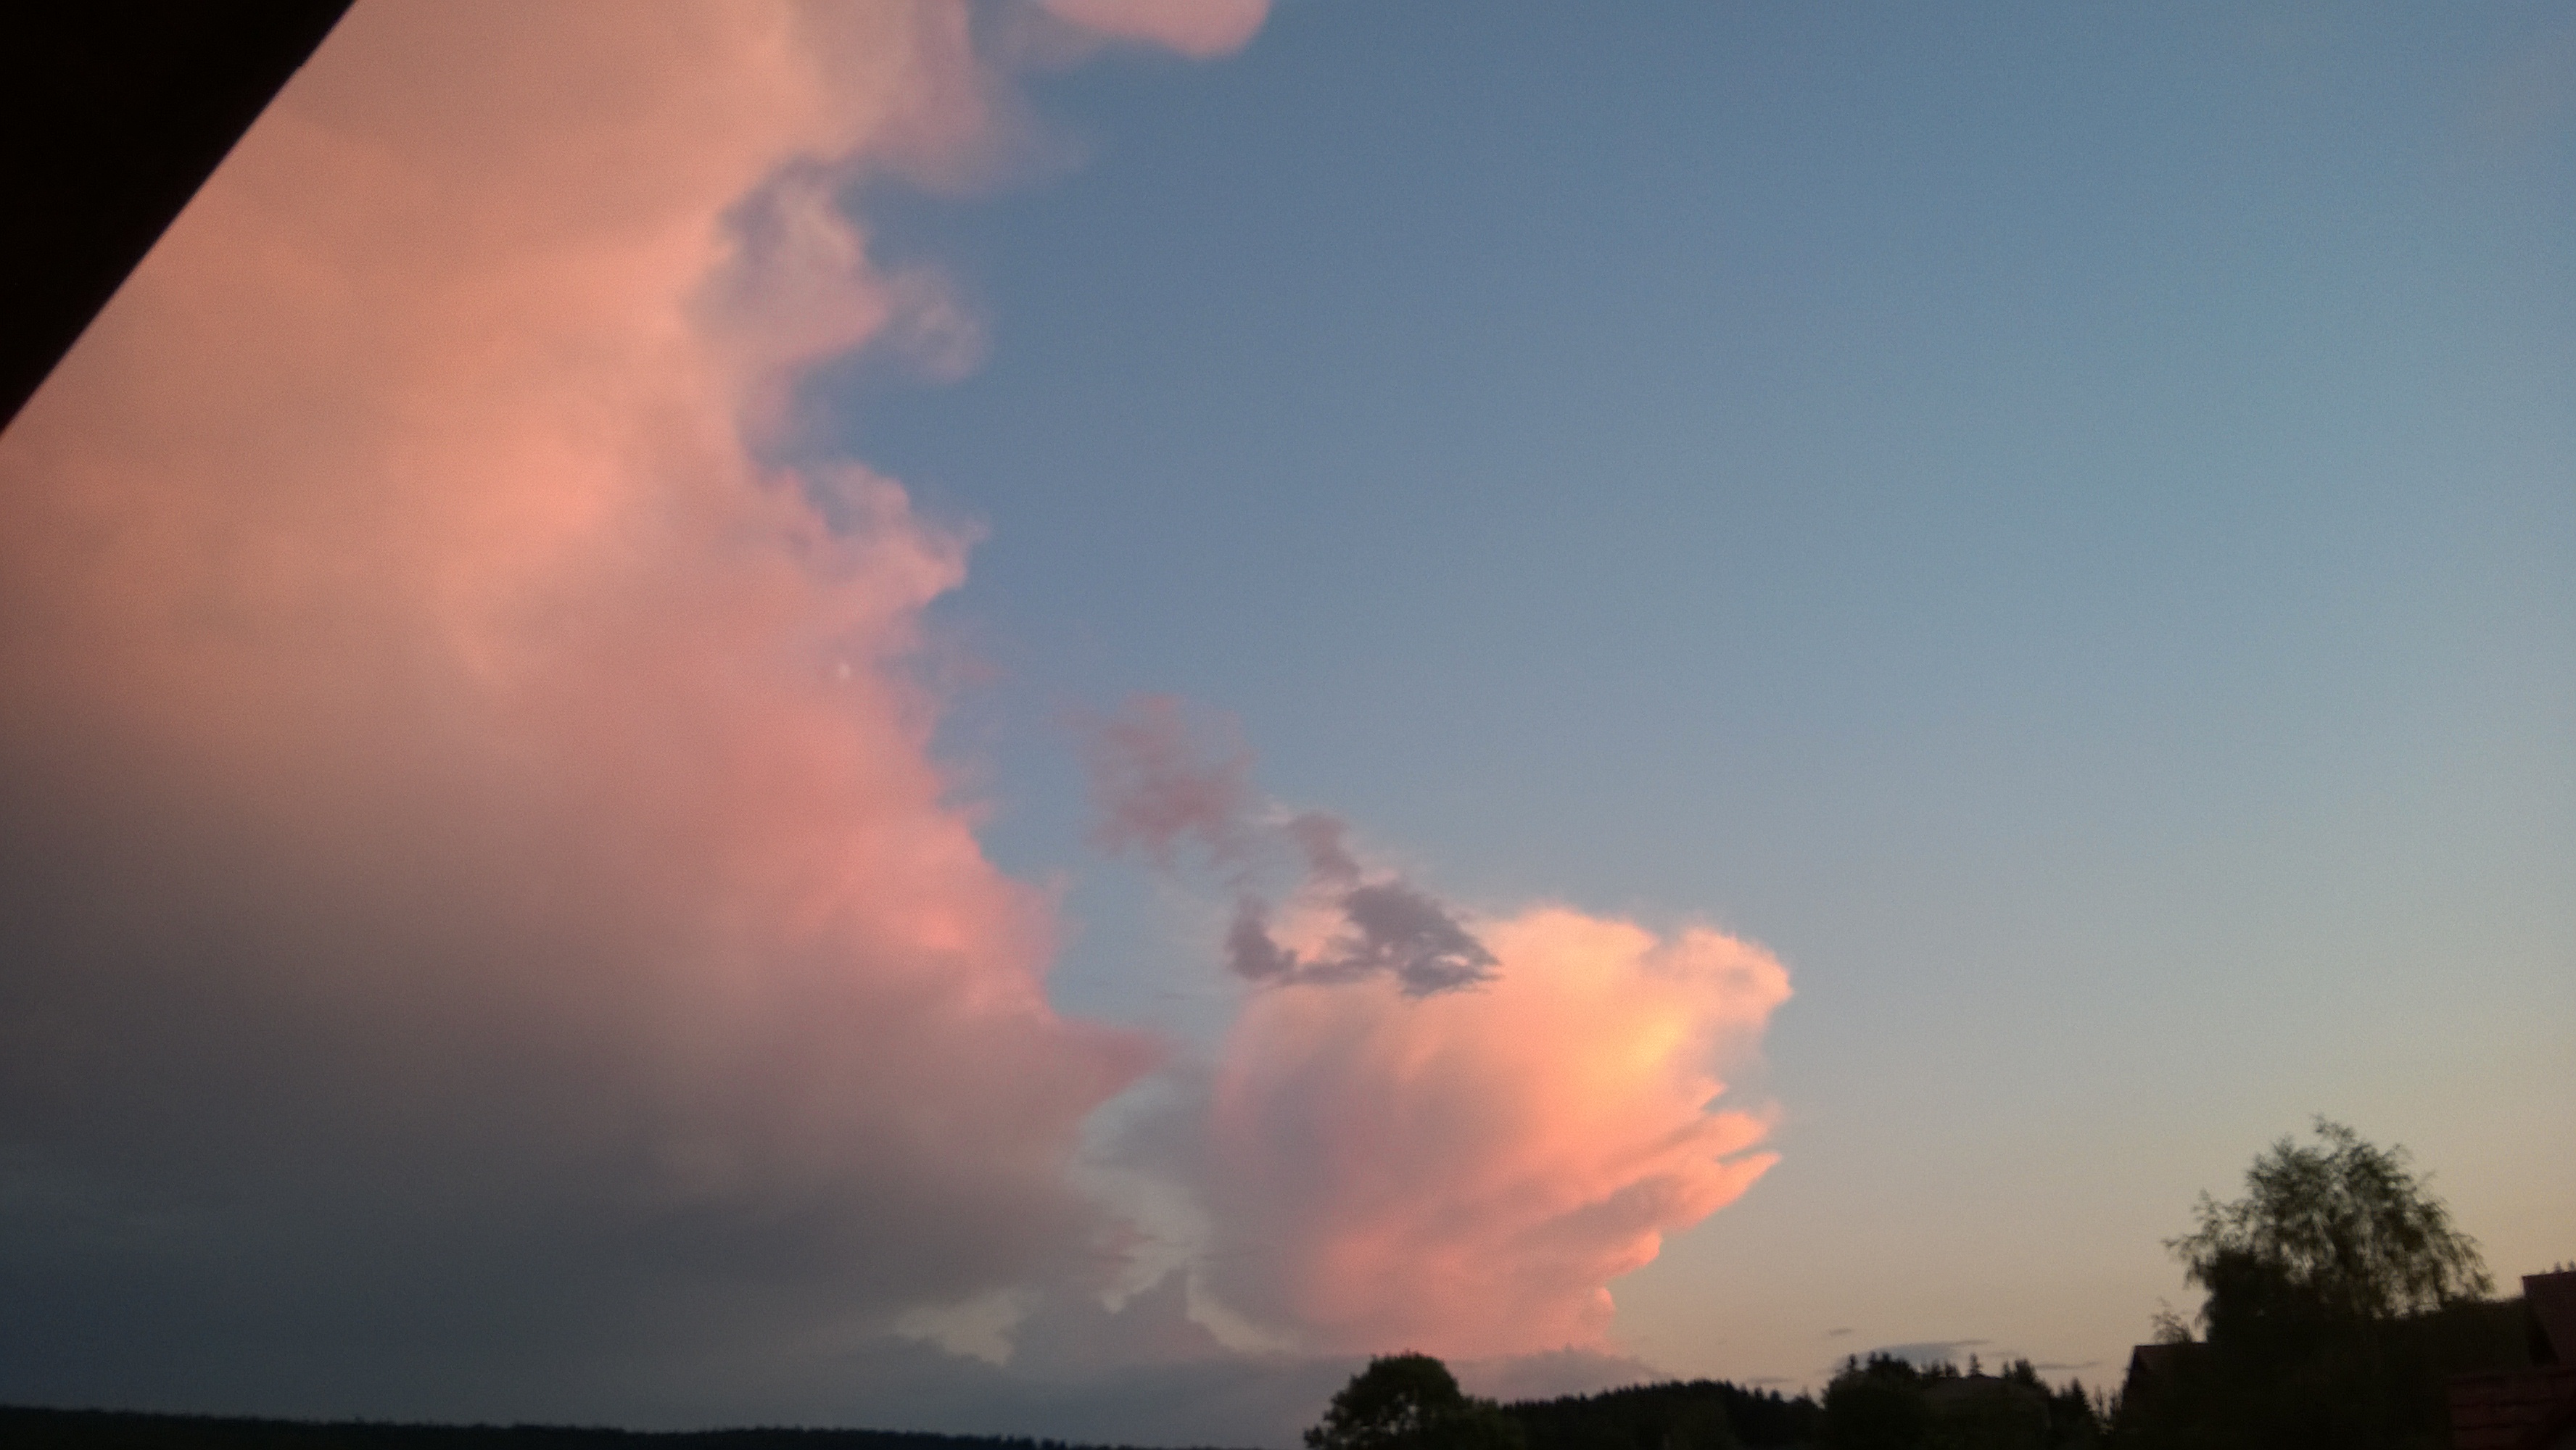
2054	520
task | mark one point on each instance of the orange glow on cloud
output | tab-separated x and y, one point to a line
1465	1172
1427	1130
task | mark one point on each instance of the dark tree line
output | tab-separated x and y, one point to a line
1411	1402
1681	1415
45	1429
1887	1403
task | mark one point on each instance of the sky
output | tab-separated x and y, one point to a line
1046	717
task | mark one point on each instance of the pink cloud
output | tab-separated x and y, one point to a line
1465	1172
458	796
463	808
1202	29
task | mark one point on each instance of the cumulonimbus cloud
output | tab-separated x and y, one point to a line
1426	1127
476	897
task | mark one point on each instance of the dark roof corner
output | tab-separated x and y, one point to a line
118	110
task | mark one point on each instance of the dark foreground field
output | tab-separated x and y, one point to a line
35	1429
1699	1415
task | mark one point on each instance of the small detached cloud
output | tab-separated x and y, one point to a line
1393	929
1158	792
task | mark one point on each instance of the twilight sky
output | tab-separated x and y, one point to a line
1038	717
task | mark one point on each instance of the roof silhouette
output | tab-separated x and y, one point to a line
117	111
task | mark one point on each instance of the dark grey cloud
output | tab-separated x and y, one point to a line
1158	786
1250	952
1325	841
1393	930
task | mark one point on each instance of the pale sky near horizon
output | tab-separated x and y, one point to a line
539	886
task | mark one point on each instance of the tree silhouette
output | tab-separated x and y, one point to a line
1411	1402
2345	1226
2339	1295
1876	1404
